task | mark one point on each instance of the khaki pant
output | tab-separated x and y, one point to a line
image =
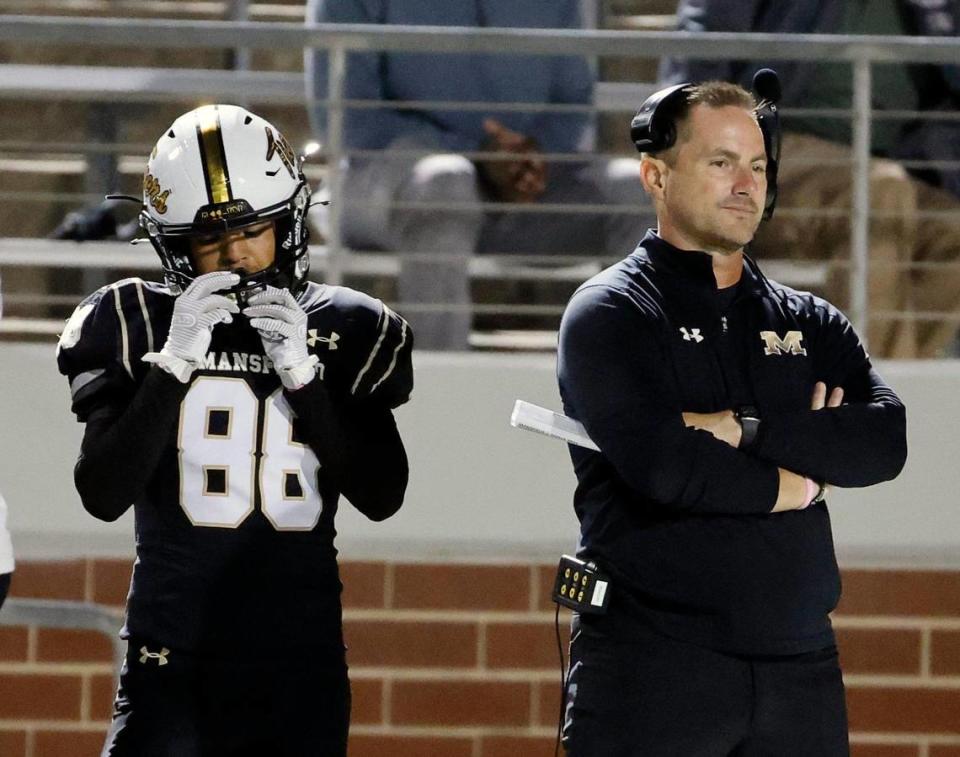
435	244
815	174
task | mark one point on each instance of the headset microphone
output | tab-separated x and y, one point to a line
766	84
766	87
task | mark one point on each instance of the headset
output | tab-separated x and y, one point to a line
654	128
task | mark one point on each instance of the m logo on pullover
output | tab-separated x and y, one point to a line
791	344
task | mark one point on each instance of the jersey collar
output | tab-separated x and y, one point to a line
695	265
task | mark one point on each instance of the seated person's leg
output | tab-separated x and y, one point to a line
370	185
893	241
435	246
937	289
812	223
814	176
597	182
618	182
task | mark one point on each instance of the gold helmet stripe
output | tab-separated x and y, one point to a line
212	155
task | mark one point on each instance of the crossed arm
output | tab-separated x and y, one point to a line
792	493
855	438
637	420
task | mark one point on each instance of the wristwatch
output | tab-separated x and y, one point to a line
749	418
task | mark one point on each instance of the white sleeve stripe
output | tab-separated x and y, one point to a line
146	316
385	316
125	347
81	380
393	360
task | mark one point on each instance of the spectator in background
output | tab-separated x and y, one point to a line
435	244
899	234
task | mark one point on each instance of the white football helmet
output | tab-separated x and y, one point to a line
221	167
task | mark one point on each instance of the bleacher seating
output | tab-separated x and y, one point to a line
86	116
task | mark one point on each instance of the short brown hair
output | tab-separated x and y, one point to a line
720	94
713	94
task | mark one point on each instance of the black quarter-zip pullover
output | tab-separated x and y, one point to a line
679	519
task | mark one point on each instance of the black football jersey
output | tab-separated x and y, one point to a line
235	531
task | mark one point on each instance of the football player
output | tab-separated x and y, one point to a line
231	406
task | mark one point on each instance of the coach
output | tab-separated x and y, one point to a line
723	405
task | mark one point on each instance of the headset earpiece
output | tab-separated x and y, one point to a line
766	86
653	128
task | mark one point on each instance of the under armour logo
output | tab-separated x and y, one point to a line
160	657
691	335
315	337
791	344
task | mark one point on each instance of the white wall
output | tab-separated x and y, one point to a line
479	488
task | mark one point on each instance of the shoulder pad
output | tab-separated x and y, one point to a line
108	333
377	344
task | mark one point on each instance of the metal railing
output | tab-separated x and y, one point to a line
569	269
61	613
860	52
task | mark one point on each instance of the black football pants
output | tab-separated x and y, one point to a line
658	697
178	705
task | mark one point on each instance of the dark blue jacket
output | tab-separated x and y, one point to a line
679	519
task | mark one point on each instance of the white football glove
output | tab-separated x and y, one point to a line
282	324
195	313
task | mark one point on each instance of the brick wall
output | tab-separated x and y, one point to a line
446	662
